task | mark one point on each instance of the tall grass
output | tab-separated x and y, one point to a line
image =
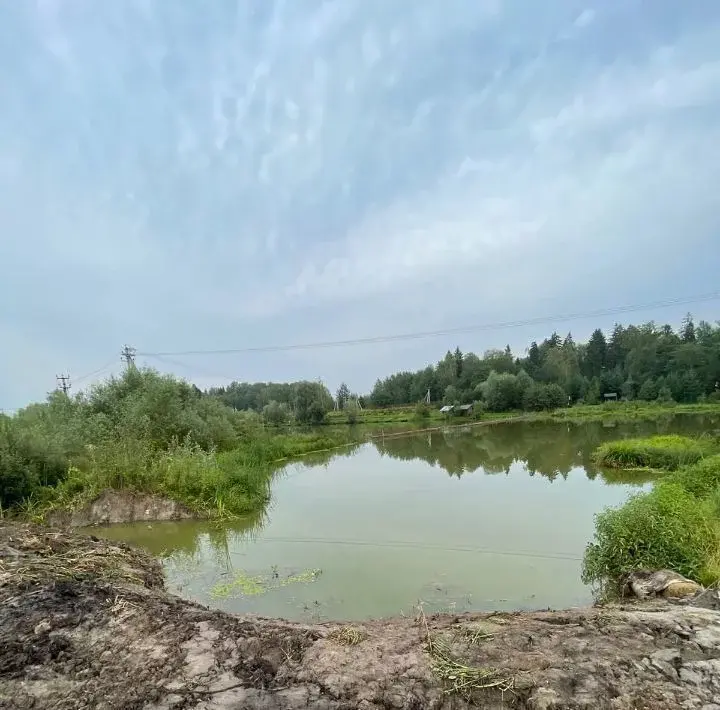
668	452
213	484
675	526
663	529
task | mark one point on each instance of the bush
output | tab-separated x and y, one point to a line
663	529
352	411
701	479
422	410
276	414
664	452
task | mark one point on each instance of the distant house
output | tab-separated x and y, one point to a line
464	409
610	396
447	409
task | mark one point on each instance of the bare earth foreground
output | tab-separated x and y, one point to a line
86	624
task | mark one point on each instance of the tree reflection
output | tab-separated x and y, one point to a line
549	449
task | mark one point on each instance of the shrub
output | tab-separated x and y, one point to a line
702	479
422	410
664	452
276	413
352	411
663	529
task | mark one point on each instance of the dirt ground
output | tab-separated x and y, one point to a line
85	623
121	507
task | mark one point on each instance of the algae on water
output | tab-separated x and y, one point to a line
246	585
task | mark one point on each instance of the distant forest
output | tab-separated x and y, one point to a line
645	362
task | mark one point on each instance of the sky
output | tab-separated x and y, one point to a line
184	176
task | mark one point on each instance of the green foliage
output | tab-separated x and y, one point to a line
701	479
148	432
664	452
665	395
422	410
663	529
276	413
352	411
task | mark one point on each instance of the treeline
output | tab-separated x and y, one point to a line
282	403
646	362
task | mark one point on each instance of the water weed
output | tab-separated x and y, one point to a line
253	585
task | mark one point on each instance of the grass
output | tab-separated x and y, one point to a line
33	557
675	526
348	636
616	411
212	484
460	678
668	452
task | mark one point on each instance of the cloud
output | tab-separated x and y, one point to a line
271	172
585	18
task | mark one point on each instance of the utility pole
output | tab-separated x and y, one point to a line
427	397
127	355
63	383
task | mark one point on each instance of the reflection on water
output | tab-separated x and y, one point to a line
490	517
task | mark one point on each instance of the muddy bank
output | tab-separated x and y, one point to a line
85	623
121	507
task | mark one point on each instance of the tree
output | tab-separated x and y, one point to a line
534	360
501	392
595	354
312	402
648	391
451	395
593	394
665	395
342	395
458	362
687	332
276	413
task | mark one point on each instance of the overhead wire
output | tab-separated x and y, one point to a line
568	556
94	372
617	310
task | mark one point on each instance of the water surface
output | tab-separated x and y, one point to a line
473	518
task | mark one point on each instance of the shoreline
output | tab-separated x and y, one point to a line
87	623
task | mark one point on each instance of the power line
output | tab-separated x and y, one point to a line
450	331
400	544
95	372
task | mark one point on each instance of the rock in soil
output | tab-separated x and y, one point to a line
86	623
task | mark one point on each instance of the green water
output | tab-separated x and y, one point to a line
481	518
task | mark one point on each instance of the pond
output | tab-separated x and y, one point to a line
469	518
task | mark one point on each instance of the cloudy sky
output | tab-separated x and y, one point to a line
242	173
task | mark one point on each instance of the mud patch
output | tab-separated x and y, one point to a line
104	634
113	506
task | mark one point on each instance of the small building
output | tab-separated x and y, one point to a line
447	409
464	409
610	396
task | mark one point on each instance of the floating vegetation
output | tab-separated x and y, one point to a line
248	586
348	635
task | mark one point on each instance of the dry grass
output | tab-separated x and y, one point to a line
458	677
348	635
34	558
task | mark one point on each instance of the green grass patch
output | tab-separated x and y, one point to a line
668	452
675	526
666	528
213	484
